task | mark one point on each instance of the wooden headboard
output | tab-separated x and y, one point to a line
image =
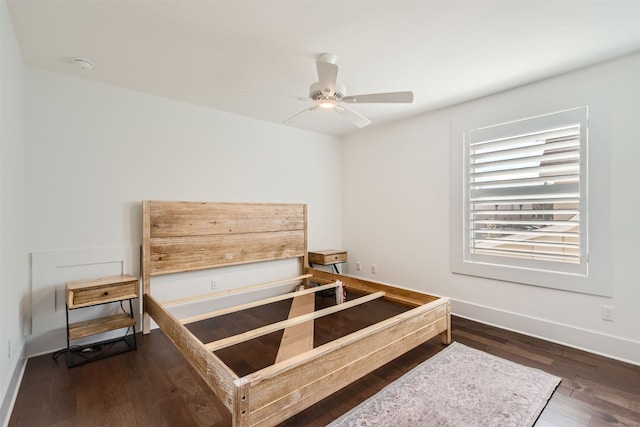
186	236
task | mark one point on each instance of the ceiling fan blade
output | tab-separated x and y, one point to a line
327	76
301	112
389	97
357	119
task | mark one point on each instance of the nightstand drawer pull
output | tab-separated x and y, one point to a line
105	293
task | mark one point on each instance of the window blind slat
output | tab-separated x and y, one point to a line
538	233
480	201
528	249
528	140
476	213
548	172
513	164
573	143
514	244
515	222
531	190
532	255
513	183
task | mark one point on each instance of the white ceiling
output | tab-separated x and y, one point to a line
255	57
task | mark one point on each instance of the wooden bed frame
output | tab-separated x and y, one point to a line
186	236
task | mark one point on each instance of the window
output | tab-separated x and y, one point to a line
523	200
524	195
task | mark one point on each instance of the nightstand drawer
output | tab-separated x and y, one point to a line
84	293
327	257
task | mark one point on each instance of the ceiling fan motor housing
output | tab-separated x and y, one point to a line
316	92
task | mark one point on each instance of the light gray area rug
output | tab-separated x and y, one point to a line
460	386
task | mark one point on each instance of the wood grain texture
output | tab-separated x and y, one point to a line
214	218
327	257
155	386
317	374
213	371
100	325
186	236
370	347
392	293
88	292
233	291
177	254
102	281
298	338
145	263
270	300
267	329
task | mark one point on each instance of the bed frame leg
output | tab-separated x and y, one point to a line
146	318
446	335
146	323
241	413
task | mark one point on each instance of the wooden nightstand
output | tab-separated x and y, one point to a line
92	292
328	257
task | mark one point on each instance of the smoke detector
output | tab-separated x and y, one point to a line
83	64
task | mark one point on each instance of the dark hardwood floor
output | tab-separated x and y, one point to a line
154	386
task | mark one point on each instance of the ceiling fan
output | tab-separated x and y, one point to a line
327	94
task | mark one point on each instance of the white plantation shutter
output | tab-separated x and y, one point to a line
524	195
523	199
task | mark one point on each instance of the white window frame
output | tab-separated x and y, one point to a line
558	275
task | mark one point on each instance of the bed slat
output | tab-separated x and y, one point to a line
234	291
258	332
253	304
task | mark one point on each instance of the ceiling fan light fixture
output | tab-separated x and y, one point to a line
327	103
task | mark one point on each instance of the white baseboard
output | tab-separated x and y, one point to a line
13	385
618	348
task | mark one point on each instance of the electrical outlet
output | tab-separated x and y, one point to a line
214	284
607	313
358	266
374	269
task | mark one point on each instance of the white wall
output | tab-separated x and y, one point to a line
71	186
13	258
94	152
396	197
